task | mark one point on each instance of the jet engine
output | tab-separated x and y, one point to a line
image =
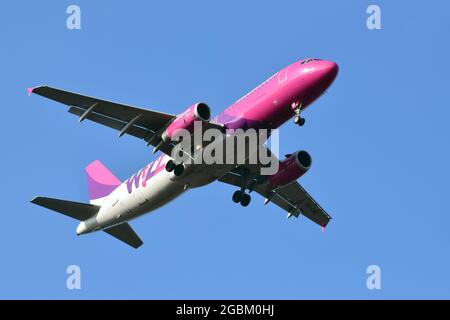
185	121
290	169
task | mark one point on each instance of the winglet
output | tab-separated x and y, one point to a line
323	228
30	91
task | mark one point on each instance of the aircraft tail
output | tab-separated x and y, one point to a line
83	211
101	182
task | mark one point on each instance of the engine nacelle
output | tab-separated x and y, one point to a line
185	121
291	169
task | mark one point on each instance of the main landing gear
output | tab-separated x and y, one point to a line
298	120
247	183
177	169
242	197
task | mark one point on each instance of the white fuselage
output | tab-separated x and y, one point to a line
147	190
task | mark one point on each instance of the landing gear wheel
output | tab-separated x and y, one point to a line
237	196
170	166
245	200
299	120
179	169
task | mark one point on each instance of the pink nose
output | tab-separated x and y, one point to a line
316	77
327	69
324	74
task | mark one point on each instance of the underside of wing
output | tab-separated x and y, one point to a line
295	200
292	197
141	123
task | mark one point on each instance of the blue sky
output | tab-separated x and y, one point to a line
378	138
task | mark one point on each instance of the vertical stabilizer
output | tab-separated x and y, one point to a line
101	182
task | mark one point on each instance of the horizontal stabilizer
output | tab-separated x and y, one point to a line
125	233
76	210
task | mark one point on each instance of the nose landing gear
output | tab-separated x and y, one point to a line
297	107
299	120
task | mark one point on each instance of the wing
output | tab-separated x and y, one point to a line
292	198
295	200
141	123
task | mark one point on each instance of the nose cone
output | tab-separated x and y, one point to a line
315	78
319	72
327	71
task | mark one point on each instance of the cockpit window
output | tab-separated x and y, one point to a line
308	61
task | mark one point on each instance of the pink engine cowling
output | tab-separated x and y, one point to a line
291	169
185	121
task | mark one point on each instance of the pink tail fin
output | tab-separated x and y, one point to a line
101	182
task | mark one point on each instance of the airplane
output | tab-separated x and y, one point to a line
113	203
